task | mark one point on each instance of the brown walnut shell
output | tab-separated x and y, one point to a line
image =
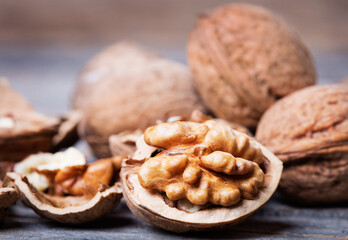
23	131
308	130
8	197
243	58
31	133
126	87
155	208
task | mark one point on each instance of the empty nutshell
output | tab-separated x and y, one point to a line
189	176
64	188
127	87
308	131
243	58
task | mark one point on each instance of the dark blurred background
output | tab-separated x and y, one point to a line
44	44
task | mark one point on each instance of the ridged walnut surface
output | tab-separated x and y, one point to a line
243	59
130	88
308	130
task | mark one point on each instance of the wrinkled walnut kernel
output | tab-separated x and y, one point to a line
202	162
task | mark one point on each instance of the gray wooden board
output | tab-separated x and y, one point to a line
276	220
45	75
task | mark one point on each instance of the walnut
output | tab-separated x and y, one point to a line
126	87
190	176
243	58
308	130
64	188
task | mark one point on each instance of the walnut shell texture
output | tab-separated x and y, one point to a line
130	88
243	58
308	130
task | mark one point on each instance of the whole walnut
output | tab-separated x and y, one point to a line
127	87
308	130
243	58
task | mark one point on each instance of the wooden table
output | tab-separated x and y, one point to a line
46	77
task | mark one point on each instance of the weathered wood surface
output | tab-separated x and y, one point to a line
276	220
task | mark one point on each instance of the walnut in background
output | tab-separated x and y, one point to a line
243	59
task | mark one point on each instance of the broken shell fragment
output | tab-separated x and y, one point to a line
67	133
8	197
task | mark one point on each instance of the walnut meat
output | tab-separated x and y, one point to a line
243	58
195	155
188	176
127	87
308	130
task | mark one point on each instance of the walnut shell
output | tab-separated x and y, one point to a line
243	58
68	210
154	207
24	133
308	130
8	197
129	88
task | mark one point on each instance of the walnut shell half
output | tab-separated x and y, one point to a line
68	210
23	133
173	194
243	58
308	130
